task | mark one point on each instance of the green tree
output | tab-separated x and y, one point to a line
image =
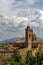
20	60
31	59
17	59
39	57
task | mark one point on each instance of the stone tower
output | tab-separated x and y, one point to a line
28	37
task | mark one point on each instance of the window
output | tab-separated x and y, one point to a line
32	39
34	45
29	35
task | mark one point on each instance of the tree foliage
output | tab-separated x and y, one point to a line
30	60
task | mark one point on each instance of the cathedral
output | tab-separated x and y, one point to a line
30	44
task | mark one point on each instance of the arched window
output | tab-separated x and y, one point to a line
34	45
29	35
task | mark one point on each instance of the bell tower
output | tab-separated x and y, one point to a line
28	37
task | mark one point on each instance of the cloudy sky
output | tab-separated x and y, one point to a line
15	15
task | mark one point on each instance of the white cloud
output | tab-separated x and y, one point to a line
15	25
22	21
9	6
41	18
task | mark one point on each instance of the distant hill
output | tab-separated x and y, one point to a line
11	40
40	39
14	39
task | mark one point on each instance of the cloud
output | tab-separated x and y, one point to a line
30	1
14	26
22	3
12	21
15	15
22	17
9	6
41	18
21	21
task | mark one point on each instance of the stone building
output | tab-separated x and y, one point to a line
31	41
30	44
